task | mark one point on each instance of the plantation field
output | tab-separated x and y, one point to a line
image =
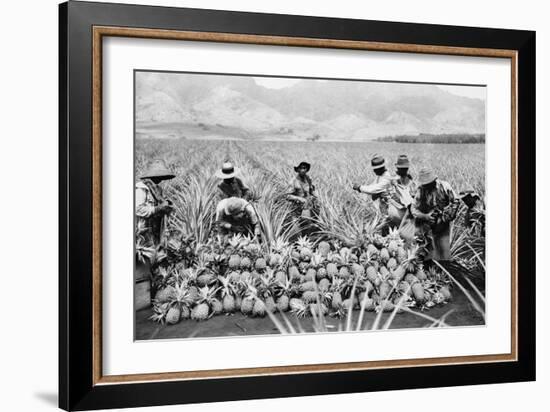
346	223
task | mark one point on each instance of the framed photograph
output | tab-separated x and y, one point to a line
256	205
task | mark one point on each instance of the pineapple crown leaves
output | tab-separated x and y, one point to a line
207	294
304	242
227	288
317	260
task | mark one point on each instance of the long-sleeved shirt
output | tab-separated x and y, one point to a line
441	196
236	188
148	215
243	217
384	191
302	188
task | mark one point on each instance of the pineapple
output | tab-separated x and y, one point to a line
372	274
446	293
282	303
332	270
357	269
309	296
398	273
323	248
324	285
206	278
166	294
311	274
228	303
411	279
308	286
234	261
234	277
391	264
401	254
270	304
350	303
246	263
384	255
321	273
280	277
185	313
294	273
173	315
372	250
386	306
304	248
421	274
344	272
259	309
217	306
260	264
200	312
247	305
384	272
418	292
275	259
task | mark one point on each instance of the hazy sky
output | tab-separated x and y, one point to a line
477	92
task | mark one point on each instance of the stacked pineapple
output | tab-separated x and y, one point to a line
305	278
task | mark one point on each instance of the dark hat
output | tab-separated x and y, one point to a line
468	191
402	162
227	171
377	162
426	176
302	164
158	169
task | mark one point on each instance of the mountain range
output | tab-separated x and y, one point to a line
225	106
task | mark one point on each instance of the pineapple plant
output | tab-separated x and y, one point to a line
446	293
418	292
324	285
311	274
283	303
344	272
294	273
372	273
336	293
217	306
185	313
310	296
202	310
391	264
357	269
384	255
305	248
228	293
275	259
321	273
308	286
384	290
259	308
247	304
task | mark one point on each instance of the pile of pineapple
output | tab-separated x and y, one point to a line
304	278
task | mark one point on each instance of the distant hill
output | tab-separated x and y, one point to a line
309	109
430	138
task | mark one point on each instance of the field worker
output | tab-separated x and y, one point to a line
236	215
435	207
302	192
384	195
474	218
231	185
405	188
151	206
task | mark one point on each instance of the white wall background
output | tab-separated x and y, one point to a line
28	232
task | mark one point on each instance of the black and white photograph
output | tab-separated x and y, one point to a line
277	205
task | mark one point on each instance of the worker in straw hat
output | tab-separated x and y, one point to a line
236	215
390	207
405	188
151	205
302	192
231	185
435	207
474	217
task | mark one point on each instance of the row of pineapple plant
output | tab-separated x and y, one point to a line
239	275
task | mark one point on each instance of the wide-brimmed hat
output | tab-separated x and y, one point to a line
402	162
233	205
158	169
377	162
426	176
468	191
227	171
302	164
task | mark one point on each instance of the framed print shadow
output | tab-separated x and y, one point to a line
257	205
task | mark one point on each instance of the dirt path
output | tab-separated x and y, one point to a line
239	325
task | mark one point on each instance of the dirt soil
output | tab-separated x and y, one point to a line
462	314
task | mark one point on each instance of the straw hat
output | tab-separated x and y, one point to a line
227	171
426	176
402	162
377	162
303	164
158	169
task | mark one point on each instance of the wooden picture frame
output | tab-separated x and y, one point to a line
82	385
